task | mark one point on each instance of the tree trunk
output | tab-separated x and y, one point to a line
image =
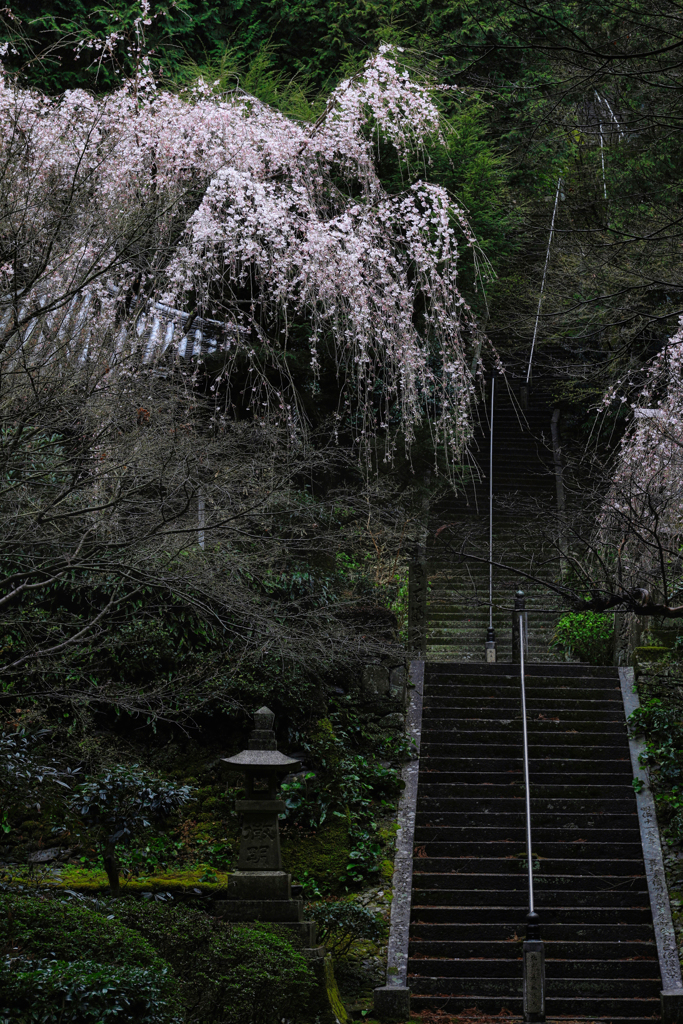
111	865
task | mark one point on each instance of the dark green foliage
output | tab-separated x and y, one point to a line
144	647
56	27
342	922
25	778
82	992
123	800
269	679
343	779
663	728
348	783
227	974
588	636
150	633
186	964
49	927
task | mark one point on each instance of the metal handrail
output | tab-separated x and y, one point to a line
533	950
527	789
545	271
493	391
490	645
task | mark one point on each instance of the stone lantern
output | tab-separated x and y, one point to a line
260	890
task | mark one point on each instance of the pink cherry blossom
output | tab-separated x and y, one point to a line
224	207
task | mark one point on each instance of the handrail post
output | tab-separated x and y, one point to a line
533	952
520	605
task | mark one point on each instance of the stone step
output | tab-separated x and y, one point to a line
426	833
438	932
536	686
603	861
518	898
538	691
515	863
516	881
460	917
546	704
473	653
511	820
435	799
588	1010
475	732
441	796
579	780
443	602
595	960
512	764
565	673
498	712
542	724
470	745
437	784
620	989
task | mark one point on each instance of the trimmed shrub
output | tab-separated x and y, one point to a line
69	963
342	922
47	927
228	974
589	636
55	992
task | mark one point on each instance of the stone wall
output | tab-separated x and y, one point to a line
382	690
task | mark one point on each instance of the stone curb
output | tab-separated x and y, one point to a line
392	1001
665	936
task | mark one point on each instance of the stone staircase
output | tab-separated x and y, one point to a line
469	897
523	476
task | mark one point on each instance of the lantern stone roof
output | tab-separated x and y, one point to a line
264	759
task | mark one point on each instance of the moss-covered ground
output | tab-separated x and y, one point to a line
337	840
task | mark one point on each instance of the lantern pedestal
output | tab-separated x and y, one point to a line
260	885
260	838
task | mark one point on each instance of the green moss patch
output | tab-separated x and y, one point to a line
646	655
94	880
322	855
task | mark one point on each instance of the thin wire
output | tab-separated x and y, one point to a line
201	517
545	271
602	158
527	792
603	99
493	389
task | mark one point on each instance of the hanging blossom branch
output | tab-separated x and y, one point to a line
641	521
227	208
